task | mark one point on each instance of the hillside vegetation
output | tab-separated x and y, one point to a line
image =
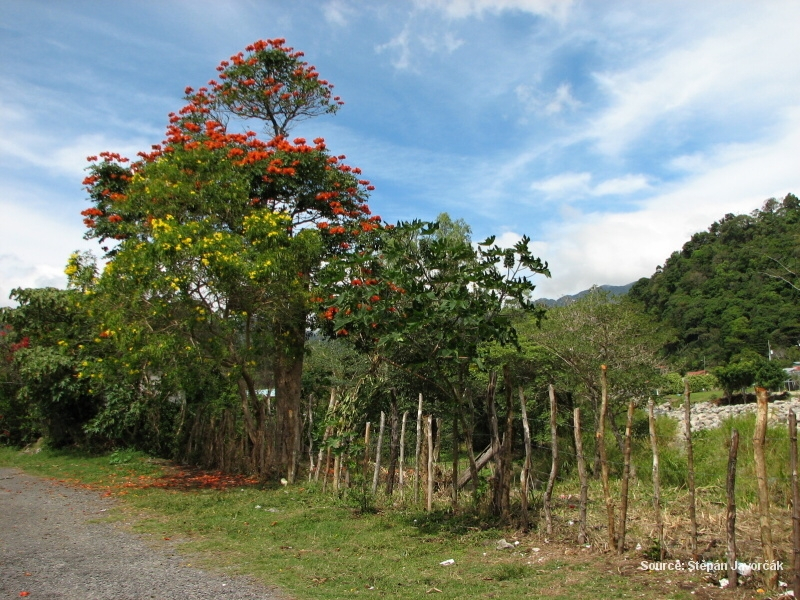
732	289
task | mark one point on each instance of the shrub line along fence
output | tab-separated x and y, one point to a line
500	450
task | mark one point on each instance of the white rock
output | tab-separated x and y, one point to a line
448	562
723	583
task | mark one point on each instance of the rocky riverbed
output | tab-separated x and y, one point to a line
708	415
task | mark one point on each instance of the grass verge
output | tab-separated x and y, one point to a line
315	545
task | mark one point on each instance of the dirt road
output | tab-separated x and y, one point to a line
52	546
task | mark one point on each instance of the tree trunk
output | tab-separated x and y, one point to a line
508	443
494	430
759	437
328	430
337	466
437	439
730	487
288	373
526	467
476	464
468	426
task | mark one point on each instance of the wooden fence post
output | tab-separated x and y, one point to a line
310	414
601	441
656	480
455	461
687	419
548	494
402	476
626	474
730	486
759	438
795	503
365	467
394	443
429	436
418	449
582	537
377	473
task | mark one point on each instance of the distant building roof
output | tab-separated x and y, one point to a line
696	373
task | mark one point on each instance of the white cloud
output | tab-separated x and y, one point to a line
446	42
580	185
24	140
563	184
617	248
563	100
507	239
400	46
35	244
461	9
737	62
621	185
558	102
336	13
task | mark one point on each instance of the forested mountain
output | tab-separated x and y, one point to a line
613	290
732	290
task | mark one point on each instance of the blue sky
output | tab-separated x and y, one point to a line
607	131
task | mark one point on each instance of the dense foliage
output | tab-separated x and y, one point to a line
731	289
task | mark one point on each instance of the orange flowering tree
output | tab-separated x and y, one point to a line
218	236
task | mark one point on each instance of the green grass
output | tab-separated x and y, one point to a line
315	545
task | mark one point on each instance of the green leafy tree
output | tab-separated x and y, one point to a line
54	338
596	330
427	301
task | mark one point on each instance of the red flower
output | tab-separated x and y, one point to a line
375	298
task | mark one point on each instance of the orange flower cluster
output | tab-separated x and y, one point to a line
195	127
